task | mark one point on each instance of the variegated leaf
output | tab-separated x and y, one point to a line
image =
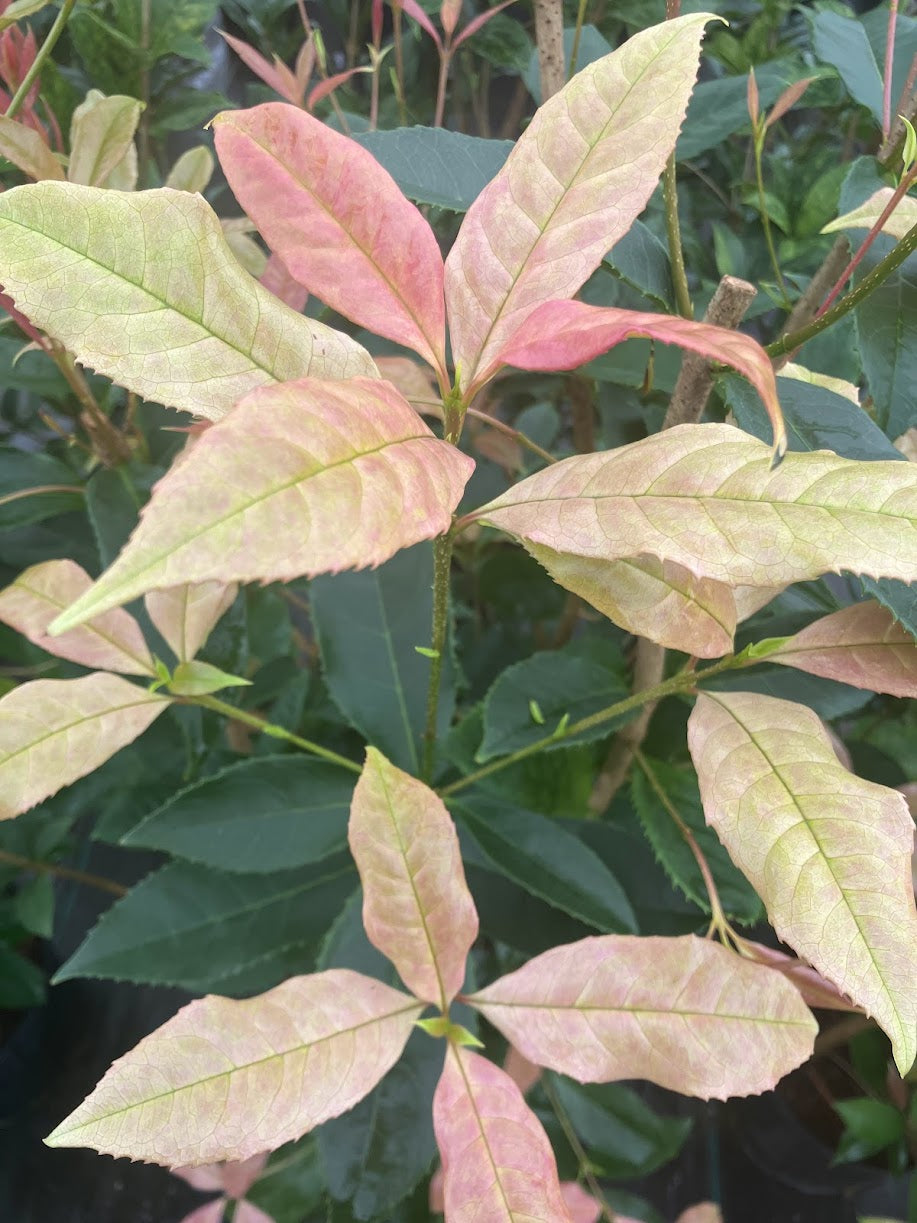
53	731
186	614
498	1165
143	288
705	497
304	478
226	1079
897	224
663	1009
576	180
828	853
101	132
112	642
338	221
416	905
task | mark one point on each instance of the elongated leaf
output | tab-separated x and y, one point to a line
433	165
225	1079
186	614
616	1007
101	132
416	905
338	221
24	147
53	731
204	930
143	288
829	853
705	497
304	478
885	337
112	642
577	178
868	213
565	334
651	598
497	1162
265	814
861	645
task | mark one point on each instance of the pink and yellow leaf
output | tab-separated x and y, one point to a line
186	614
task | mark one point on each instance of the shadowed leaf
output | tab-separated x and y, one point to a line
186	614
24	147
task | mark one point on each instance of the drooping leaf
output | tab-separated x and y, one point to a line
416	905
186	614
842	41
143	288
433	165
338	221
616	1007
705	497
497	1162
201	929
25	148
266	814
227	1079
53	731
829	853
576	179
101	133
303	478
111	642
868	213
566	334
861	645
368	626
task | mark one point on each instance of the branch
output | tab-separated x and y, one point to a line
549	37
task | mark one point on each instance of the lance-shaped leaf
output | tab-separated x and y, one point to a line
226	1079
651	598
144	288
112	642
186	614
25	148
101	132
705	497
863	645
575	181
897	223
498	1164
53	731
338	221
416	905
565	334
829	853
663	1009
309	477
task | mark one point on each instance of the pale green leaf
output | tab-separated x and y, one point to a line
867	215
101	133
25	148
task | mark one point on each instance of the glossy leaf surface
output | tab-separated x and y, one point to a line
227	1079
497	1162
111	642
829	853
144	289
338	221
663	1009
576	179
416	905
186	614
53	731
304	478
705	497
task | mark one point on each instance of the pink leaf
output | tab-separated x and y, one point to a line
415	382
206	1177
28	149
828	853
416	905
240	1175
276	75
817	992
226	1079
186	614
413	9
788	100
112	642
246	1212
498	1165
304	478
449	13
476	23
525	1074
663	1009
575	181
328	86
565	334
338	221
705	497
861	645
704	1212
581	1206
276	279
53	731
210	1212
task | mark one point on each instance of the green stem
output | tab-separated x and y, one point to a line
758	146
43	52
577	1148
674	684
577	35
270	728
673	231
879	274
442	566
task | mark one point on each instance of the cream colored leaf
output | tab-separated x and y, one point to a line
24	147
186	614
101	132
193	170
897	224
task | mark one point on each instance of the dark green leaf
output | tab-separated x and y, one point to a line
22	983
719	108
214	932
842	42
20	470
30	371
292	1183
869	1127
899	597
368	625
432	165
670	787
886	325
829	698
34	906
266	814
114	498
640	259
503	42
512	915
